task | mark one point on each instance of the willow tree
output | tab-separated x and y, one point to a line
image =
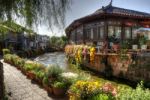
35	12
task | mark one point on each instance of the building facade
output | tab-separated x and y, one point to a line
107	22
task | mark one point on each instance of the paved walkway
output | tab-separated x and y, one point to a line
19	87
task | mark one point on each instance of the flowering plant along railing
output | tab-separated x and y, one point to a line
80	52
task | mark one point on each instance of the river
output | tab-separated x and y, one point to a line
60	59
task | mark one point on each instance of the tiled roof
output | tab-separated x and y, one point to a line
116	10
109	10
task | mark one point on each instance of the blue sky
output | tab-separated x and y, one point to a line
81	8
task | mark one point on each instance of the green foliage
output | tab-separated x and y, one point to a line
45	80
58	41
19	62
35	11
29	66
6	51
7	57
40	74
58	84
102	96
54	71
134	94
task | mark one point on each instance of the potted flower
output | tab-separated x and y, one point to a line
40	76
142	42
59	88
47	85
53	72
29	67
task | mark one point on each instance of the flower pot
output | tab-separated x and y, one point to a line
23	71
134	47
48	88
30	75
39	81
51	79
59	91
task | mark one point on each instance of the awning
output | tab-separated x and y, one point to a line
143	29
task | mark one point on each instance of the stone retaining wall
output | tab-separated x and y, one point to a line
1	82
127	67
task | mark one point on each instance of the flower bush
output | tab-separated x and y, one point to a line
84	88
134	94
80	52
53	71
81	86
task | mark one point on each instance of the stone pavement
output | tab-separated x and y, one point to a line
18	87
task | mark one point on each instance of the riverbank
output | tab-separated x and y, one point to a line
83	79
19	87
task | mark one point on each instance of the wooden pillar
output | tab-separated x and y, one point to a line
84	34
1	82
76	36
105	29
122	31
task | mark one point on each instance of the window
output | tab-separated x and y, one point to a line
91	35
118	31
101	32
88	33
110	31
95	32
134	34
128	32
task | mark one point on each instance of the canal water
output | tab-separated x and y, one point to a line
59	58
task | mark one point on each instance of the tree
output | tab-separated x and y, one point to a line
34	12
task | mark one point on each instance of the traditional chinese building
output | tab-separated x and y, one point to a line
106	22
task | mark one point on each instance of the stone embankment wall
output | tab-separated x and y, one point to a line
121	66
1	82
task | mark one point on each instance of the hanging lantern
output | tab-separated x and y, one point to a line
129	23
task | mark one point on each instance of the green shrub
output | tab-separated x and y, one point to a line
29	66
102	96
6	51
14	59
134	94
45	80
19	62
40	74
7	57
58	84
54	71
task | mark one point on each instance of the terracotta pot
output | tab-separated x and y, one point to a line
30	75
50	90
51	79
39	81
23	71
59	91
18	67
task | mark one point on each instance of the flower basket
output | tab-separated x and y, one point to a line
59	91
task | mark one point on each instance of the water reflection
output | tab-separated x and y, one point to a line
53	58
